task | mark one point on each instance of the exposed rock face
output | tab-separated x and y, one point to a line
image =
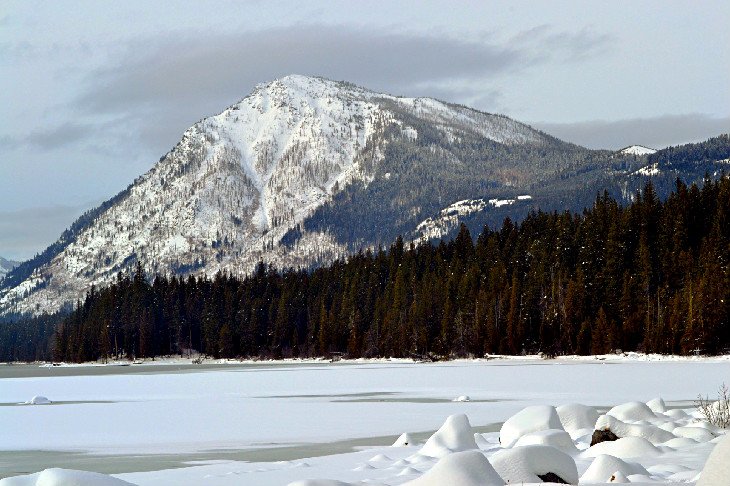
602	436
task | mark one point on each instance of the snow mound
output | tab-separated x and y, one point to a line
605	466
38	400
626	447
700	434
657	405
680	443
63	477
526	464
712	428
653	434
462	398
618	477
409	471
380	458
455	435
676	413
575	417
632	412
717	467
468	468
559	439
527	420
405	439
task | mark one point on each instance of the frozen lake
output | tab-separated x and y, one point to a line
122	419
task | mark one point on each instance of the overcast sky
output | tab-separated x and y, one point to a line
93	93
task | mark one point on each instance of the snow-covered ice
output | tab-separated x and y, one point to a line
339	423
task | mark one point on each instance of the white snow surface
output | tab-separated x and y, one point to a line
531	419
63	477
467	468
237	182
455	435
637	150
605	466
267	406
558	439
450	217
649	170
717	469
576	417
525	464
653	434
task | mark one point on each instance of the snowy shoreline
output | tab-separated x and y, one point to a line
174	360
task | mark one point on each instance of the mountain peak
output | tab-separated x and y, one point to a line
637	150
239	182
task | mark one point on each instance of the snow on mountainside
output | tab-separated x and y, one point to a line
637	150
450	217
6	266
236	183
649	170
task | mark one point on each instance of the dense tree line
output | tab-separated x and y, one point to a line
652	276
29	339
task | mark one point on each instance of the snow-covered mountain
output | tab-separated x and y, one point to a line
6	266
637	150
237	183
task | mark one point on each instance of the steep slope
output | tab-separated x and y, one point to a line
239	182
6	266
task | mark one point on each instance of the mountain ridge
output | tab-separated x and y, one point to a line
300	172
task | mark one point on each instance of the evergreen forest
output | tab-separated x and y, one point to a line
652	276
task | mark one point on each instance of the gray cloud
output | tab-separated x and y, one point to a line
655	132
26	232
169	82
49	139
59	136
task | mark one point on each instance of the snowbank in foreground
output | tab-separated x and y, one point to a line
63	477
717	469
533	448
